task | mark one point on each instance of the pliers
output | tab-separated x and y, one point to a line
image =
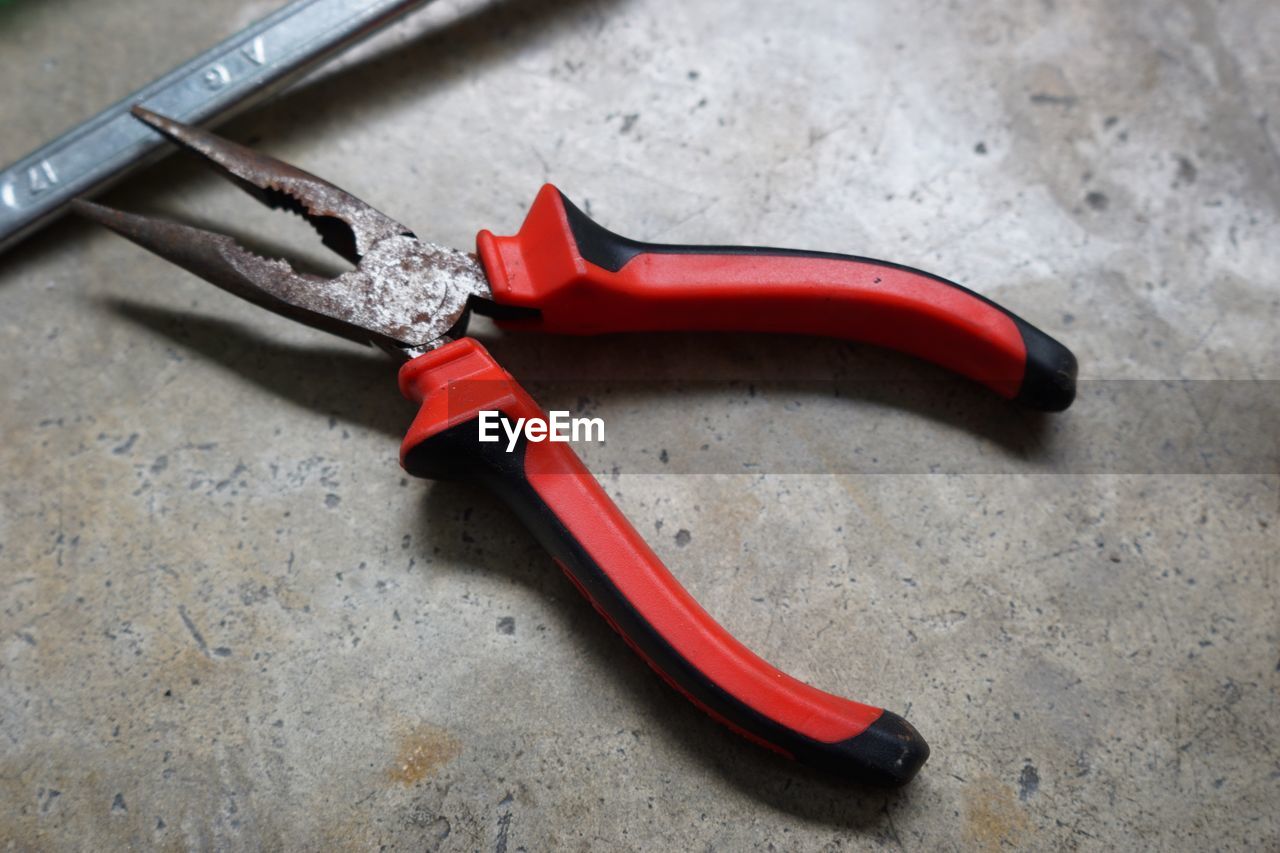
564	273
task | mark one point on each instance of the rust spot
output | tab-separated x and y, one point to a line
993	818
422	752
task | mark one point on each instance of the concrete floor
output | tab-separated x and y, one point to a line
228	621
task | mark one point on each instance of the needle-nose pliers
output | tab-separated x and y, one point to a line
564	273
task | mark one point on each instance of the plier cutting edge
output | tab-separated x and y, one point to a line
563	273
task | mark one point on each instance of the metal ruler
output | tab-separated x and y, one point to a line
85	159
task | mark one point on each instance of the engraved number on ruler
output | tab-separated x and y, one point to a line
41	177
255	51
218	75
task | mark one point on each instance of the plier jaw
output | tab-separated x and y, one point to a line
404	294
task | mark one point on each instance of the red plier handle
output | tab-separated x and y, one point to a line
604	556
564	273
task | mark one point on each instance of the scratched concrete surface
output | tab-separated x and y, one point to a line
227	621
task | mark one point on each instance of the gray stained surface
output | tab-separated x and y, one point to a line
227	620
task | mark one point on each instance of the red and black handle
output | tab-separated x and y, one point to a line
564	273
604	556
